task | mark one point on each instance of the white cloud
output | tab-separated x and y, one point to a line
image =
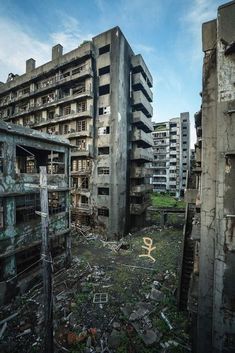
70	35
17	45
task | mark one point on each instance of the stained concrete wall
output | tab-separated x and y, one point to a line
216	310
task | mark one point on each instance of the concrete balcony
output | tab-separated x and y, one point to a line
143	139
137	209
141	103
142	122
138	65
139	83
87	133
142	154
79	152
58	118
81	208
53	102
138	172
140	189
82	171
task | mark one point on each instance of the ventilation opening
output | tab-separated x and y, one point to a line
104	49
104	70
104	90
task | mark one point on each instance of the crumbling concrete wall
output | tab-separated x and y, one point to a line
216	310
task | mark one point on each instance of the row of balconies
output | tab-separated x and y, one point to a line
140	172
139	83
141	188
142	154
142	122
137	209
46	85
144	139
139	65
52	101
140	102
58	118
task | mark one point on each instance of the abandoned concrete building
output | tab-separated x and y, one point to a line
22	152
171	155
208	265
99	97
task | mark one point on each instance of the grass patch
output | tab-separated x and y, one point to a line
166	200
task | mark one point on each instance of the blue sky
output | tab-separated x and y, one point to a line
167	34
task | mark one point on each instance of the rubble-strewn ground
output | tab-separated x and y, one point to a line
136	312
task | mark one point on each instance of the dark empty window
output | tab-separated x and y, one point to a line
104	110
56	202
103	191
103	150
103	170
104	90
103	212
26	206
104	49
104	70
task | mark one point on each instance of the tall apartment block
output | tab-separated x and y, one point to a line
99	97
211	297
171	155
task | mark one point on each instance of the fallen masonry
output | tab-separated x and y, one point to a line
107	301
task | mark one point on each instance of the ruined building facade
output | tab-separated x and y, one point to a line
171	155
22	152
211	230
99	97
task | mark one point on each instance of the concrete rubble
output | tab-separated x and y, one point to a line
107	301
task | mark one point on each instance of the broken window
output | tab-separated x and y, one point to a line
82	106
105	89
1	157
104	49
48	98
81	144
84	183
56	202
67	110
78	69
103	170
103	150
103	191
104	70
79	89
81	165
104	110
81	125
26	206
84	199
103	212
55	163
1	214
51	114
103	130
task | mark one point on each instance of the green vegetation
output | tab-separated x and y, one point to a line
166	200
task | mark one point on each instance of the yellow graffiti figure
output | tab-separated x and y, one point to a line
149	247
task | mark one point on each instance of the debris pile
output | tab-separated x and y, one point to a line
109	300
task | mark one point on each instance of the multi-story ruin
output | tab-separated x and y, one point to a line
99	97
22	152
171	155
210	228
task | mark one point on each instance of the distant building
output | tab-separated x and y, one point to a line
22	152
171	155
99	97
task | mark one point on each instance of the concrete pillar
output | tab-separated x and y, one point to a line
57	51
30	65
